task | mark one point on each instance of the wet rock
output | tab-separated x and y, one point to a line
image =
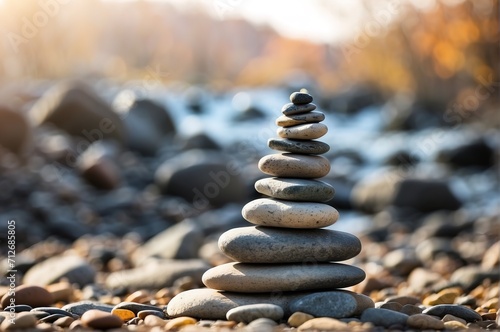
202	178
71	268
77	109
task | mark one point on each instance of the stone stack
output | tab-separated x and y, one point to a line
287	254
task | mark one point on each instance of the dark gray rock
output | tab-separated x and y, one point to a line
425	196
281	245
301	98
295	189
335	304
203	178
75	108
72	268
297	146
401	261
52	311
469	277
383	317
478	154
463	312
291	109
79	308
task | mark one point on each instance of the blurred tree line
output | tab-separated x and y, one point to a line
436	54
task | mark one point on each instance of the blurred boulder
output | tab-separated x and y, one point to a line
425	196
148	124
392	188
204	178
474	154
15	131
245	108
200	141
402	159
76	108
195	99
353	99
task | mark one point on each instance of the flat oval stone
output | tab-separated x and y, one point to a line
303	131
101	320
250	312
301	98
258	278
292	120
289	214
298	146
383	317
291	109
281	245
34	296
208	303
295	189
334	304
290	165
460	311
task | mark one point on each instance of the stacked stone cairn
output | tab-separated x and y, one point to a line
287	258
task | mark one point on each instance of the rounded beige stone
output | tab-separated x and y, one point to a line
292	120
289	214
291	165
259	278
303	131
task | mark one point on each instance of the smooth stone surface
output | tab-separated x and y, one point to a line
301	98
292	120
290	108
425	322
145	313
291	165
251	312
334	304
34	296
295	189
52	311
212	304
281	245
18	308
453	309
255	278
102	320
124	314
304	131
298	318
297	146
277	213
71	268
79	308
384	317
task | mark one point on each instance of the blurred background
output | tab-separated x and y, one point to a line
127	117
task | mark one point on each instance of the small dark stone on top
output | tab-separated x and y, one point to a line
301	98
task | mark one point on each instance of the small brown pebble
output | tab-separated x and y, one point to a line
323	324
152	320
34	296
298	318
124	314
491	304
23	320
63	322
424	322
411	309
143	313
139	296
394	306
179	322
446	296
45	327
101	320
489	316
454	325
